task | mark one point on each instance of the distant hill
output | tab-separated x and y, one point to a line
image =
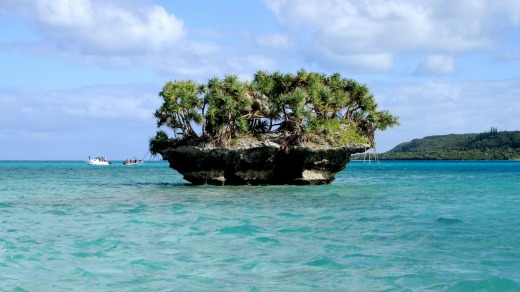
492	145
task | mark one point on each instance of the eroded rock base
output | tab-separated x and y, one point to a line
263	163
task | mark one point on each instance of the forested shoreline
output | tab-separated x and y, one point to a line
490	145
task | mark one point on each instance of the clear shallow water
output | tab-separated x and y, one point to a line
400	226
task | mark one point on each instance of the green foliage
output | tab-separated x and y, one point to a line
181	106
228	101
491	145
336	133
159	142
297	106
349	135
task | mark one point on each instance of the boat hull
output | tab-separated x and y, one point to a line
99	161
132	163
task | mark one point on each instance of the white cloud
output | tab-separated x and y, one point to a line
511	54
355	35
382	27
434	108
64	108
73	123
336	60
436	64
96	28
275	41
120	34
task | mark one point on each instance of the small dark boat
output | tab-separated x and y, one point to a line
132	161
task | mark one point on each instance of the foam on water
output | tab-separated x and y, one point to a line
449	226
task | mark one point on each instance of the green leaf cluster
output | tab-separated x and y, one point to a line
306	106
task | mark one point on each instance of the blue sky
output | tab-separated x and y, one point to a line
81	77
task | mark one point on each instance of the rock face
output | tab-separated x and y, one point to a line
260	163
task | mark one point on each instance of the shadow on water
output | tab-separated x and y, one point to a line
161	184
443	220
158	184
249	187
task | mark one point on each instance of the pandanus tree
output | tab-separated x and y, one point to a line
302	107
182	106
228	102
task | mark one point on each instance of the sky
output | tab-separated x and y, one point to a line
81	78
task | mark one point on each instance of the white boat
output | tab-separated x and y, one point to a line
98	161
132	161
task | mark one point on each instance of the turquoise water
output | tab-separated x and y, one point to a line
400	226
